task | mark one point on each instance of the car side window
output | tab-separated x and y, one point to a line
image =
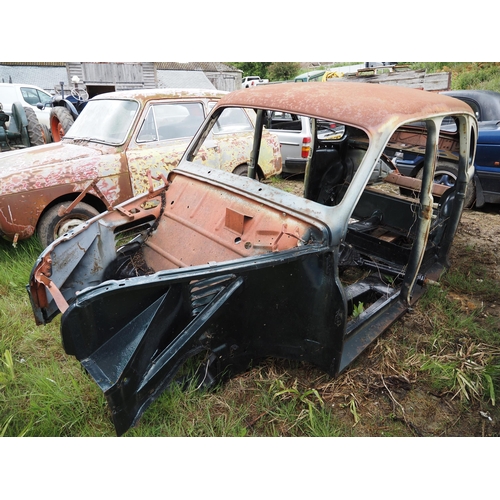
171	121
44	98
233	120
148	129
30	96
277	120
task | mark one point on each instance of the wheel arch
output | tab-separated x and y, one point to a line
258	169
90	199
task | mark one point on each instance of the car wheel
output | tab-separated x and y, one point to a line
60	122
47	136
35	132
52	224
446	174
242	170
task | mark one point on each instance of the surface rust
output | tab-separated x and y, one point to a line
40	176
375	106
226	227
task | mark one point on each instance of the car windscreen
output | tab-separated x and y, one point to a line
233	120
107	121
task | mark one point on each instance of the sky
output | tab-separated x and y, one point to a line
254	31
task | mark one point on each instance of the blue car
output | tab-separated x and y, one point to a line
485	186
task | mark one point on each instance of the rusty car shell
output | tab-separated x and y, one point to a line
102	173
222	271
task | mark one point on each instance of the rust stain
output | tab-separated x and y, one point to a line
230	227
427	212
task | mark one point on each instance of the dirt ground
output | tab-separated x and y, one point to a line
385	392
479	231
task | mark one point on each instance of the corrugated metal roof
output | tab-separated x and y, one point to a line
204	66
195	66
32	63
43	76
183	79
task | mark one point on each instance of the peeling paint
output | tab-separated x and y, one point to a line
33	179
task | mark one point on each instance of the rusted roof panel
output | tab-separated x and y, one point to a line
372	106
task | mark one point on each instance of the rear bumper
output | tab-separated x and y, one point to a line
295	166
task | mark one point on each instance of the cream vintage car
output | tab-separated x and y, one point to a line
105	156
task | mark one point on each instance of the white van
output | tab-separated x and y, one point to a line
28	96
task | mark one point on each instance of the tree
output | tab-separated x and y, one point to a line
279	71
252	68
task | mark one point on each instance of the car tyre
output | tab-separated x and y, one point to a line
60	122
52	225
35	132
446	174
242	170
47	136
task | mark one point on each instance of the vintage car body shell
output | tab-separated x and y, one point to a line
33	180
237	270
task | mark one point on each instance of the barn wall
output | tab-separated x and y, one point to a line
120	75
227	81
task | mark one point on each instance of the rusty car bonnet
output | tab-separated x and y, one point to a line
217	271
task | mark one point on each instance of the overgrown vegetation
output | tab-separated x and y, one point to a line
282	71
467	75
252	68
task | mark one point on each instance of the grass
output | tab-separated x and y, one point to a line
446	352
464	356
467	75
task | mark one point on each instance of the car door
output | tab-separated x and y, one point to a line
167	128
487	162
232	141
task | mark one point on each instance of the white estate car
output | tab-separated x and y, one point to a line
28	96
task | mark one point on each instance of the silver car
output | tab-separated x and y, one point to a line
295	134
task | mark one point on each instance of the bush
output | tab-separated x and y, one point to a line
279	71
